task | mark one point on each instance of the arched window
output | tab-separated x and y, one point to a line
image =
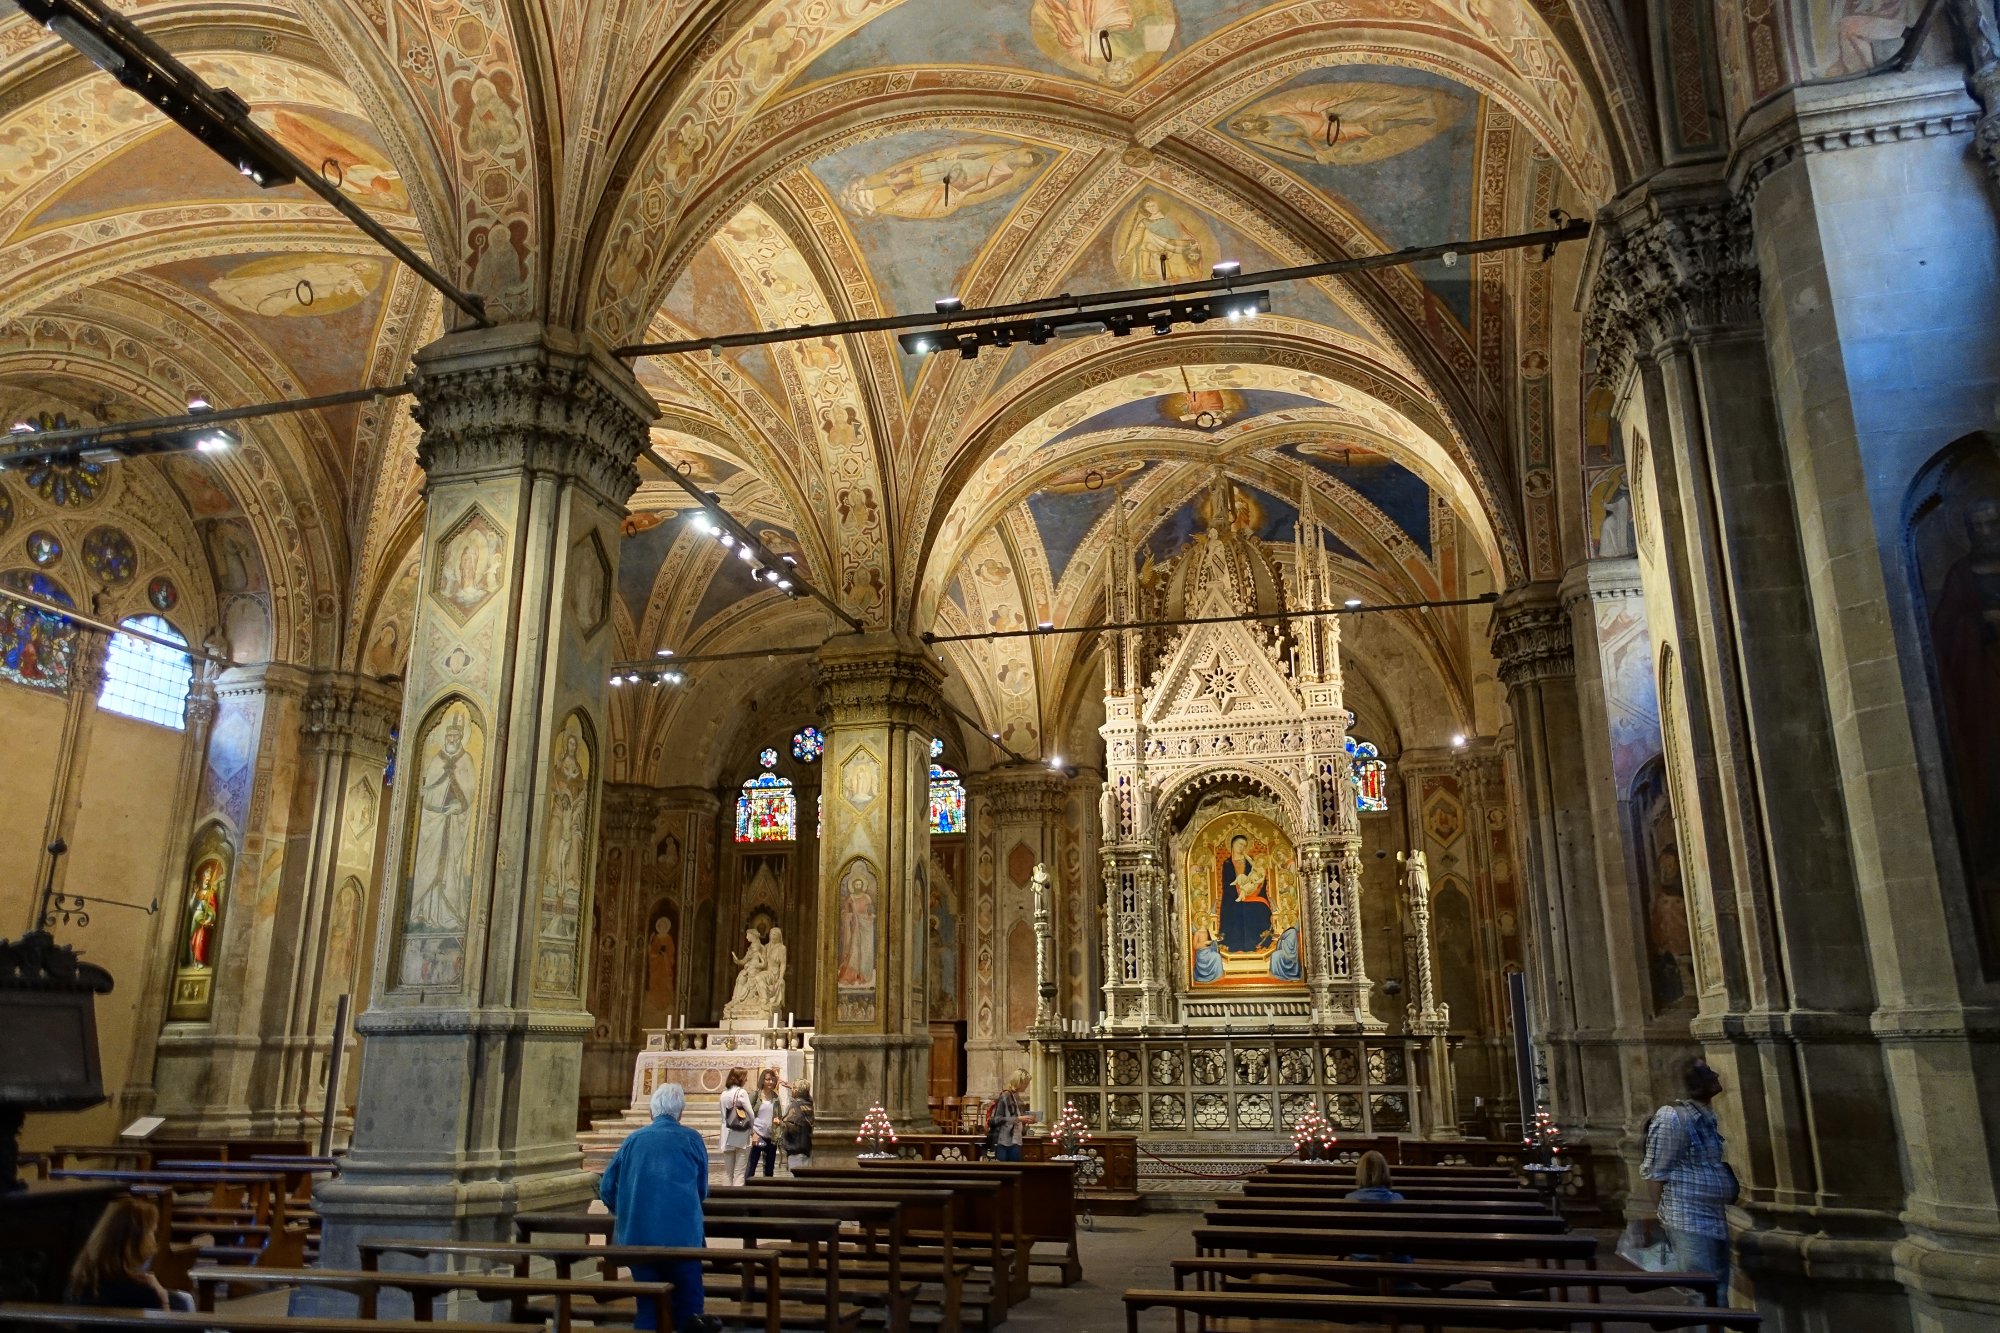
1371	776
808	745
767	811
36	646
947	795
147	680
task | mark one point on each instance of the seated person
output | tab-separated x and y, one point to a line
1371	1179
114	1269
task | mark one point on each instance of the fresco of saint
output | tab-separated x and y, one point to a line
1159	242
937	183
1345	124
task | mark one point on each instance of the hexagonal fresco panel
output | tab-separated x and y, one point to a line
589	593
471	565
1444	813
861	778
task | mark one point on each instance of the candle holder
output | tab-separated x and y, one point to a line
877	1133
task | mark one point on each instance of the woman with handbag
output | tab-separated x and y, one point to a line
737	1117
1692	1185
1005	1119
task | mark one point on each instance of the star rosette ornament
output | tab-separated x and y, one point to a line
1313	1138
877	1133
1069	1132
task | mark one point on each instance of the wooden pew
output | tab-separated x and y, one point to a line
938	1245
1337	1203
799	1309
173	1259
1449	1246
1263	1187
424	1289
1432	1313
64	1317
1386	1278
760	1281
884	1237
1346	1216
244	1212
990	1220
1048	1204
1435	1175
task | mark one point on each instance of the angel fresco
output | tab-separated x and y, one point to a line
1345	124
939	182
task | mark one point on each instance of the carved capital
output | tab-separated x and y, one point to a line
629	812
1014	791
1531	636
494	401
877	679
1670	265
346	711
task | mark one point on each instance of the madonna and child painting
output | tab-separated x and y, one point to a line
1242	885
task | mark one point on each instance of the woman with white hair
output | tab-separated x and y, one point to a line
654	1187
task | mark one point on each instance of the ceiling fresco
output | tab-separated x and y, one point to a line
819	160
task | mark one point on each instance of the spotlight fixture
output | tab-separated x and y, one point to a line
1351	603
1458	741
1225	269
1055	761
95	449
949	305
1119	321
197	403
665	652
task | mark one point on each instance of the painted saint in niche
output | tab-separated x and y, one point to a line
1965	635
298	285
662	965
1245	913
857	929
450	762
204	914
1667	927
565	851
1158	242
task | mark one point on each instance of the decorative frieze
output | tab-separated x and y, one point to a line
880	682
345	711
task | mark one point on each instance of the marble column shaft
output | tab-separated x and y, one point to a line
474	1034
881	701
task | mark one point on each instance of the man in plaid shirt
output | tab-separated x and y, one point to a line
1691	1182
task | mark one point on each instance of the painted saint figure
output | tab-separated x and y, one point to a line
442	883
662	966
857	933
204	916
1245	914
1207	957
1156	247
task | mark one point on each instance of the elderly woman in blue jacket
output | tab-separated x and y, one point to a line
654	1187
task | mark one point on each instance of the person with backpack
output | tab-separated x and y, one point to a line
737	1117
1691	1182
796	1131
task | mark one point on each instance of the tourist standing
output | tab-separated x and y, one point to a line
766	1111
1692	1184
737	1115
797	1130
115	1268
1006	1118
654	1186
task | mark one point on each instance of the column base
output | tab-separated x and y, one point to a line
854	1073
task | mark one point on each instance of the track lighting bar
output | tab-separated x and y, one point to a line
124	439
1160	316
1352	608
219	119
779	571
1223	279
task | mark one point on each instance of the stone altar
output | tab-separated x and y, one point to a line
699	1059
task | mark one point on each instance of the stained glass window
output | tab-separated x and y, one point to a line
808	745
147	680
819	815
1371	776
937	749
767	811
947	801
36	647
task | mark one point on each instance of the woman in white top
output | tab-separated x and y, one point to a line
735	1138
769	1110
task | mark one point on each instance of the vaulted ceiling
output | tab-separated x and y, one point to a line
673	171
